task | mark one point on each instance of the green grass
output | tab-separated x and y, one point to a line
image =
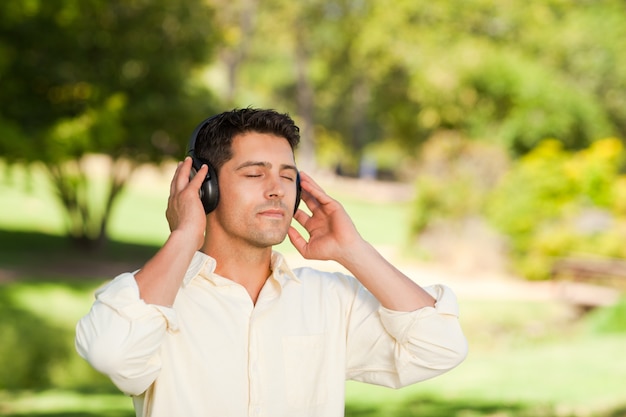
574	378
527	359
138	216
57	403
515	367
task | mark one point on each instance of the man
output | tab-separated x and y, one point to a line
217	324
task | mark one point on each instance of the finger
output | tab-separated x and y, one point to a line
297	240
174	177
181	178
314	189
304	177
310	201
198	179
301	217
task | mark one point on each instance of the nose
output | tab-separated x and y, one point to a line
275	187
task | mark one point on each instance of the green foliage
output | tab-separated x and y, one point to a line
553	203
510	72
129	78
93	77
138	54
521	102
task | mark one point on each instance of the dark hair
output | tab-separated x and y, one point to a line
214	140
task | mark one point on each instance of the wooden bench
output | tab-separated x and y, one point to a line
590	282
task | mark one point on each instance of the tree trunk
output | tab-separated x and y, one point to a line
306	101
86	220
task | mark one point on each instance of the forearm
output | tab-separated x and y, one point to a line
161	277
394	290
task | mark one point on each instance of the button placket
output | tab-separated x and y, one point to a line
253	369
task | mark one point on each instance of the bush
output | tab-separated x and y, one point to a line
554	203
455	177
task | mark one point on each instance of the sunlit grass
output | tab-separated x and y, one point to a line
512	362
59	304
63	402
575	373
579	377
560	367
27	201
138	215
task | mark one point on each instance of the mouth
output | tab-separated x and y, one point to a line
273	213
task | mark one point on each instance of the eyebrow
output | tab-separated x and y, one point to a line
264	164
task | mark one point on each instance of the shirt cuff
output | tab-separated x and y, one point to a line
400	322
122	295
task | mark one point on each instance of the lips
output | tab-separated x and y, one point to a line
274	212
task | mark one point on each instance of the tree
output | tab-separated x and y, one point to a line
94	76
236	19
512	72
294	65
498	71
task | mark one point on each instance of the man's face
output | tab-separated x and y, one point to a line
257	190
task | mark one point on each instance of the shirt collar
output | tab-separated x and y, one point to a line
202	265
280	270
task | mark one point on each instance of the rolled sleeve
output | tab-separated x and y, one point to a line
429	340
400	324
122	296
121	336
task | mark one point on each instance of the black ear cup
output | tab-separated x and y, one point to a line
209	190
298	193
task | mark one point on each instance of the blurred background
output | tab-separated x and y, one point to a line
475	143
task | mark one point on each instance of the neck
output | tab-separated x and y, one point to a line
249	267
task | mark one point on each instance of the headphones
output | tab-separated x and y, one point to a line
209	190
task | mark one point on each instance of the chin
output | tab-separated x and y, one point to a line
268	240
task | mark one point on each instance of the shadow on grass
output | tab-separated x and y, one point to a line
39	256
31	346
74	414
441	407
24	254
418	407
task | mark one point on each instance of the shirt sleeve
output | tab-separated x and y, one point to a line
121	335
396	349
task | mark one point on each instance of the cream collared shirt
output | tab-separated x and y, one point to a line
215	354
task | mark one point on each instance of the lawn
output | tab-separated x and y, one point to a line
527	358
